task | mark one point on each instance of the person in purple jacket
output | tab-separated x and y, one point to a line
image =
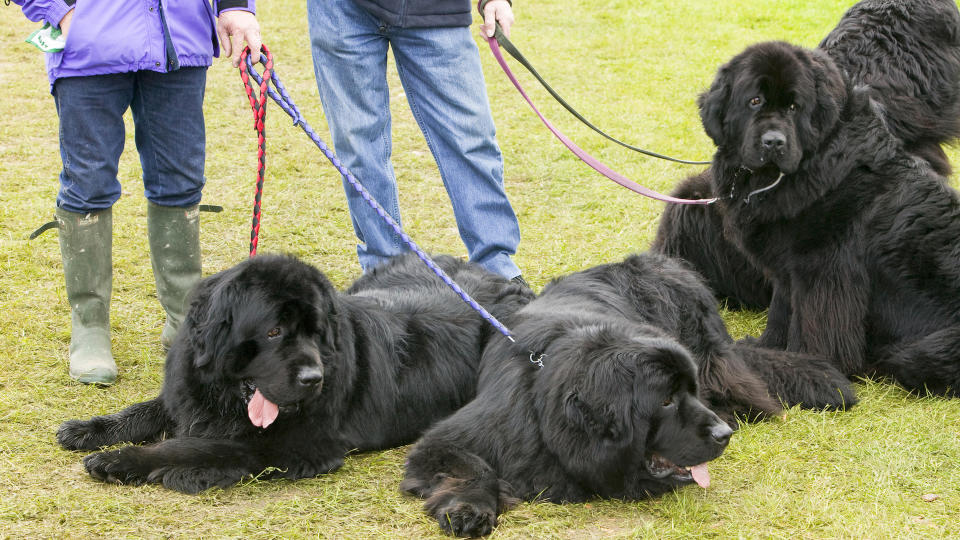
152	58
439	67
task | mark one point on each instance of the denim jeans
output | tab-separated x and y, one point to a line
442	77
169	133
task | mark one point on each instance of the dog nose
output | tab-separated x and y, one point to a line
721	433
310	376
773	140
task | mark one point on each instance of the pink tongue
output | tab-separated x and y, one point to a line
700	475
262	411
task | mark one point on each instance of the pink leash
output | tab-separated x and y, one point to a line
593	162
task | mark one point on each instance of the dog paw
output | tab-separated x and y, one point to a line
837	397
193	480
307	468
111	467
79	435
467	520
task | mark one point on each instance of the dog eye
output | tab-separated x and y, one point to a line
274	333
756	101
793	107
667	402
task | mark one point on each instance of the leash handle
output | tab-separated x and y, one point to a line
286	103
593	162
259	106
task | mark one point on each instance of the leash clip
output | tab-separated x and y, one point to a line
537	361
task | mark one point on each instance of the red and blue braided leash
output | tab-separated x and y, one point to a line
259	105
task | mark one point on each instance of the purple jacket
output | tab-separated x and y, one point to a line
117	36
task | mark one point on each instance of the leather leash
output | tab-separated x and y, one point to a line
495	43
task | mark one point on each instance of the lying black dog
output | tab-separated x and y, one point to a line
904	55
607	393
273	368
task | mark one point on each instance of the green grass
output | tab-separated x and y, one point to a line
635	69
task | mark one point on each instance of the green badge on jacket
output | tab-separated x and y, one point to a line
48	38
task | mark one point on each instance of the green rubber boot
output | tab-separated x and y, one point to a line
175	253
86	245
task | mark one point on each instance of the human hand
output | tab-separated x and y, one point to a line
65	23
497	11
236	27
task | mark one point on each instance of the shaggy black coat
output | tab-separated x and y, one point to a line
906	55
857	235
273	368
607	393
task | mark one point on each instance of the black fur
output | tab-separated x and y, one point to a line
634	358
858	238
364	370
905	54
908	53
694	234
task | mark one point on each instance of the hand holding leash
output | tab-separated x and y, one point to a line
497	11
233	29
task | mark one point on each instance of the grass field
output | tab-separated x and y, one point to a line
889	468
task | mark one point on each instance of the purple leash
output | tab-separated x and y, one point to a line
290	108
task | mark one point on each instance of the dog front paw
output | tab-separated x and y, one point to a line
112	467
307	468
80	435
465	519
193	480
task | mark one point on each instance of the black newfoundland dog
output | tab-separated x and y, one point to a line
275	370
826	193
905	55
607	393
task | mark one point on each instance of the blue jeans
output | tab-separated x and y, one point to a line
442	77
168	118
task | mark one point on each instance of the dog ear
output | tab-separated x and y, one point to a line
329	309
832	90
713	105
209	318
605	423
601	403
333	336
593	424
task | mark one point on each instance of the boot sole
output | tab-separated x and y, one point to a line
101	377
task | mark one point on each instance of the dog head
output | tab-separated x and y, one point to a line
621	413
771	104
266	329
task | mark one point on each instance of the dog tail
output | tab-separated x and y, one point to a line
807	380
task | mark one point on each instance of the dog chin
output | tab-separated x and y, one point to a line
761	166
773	163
